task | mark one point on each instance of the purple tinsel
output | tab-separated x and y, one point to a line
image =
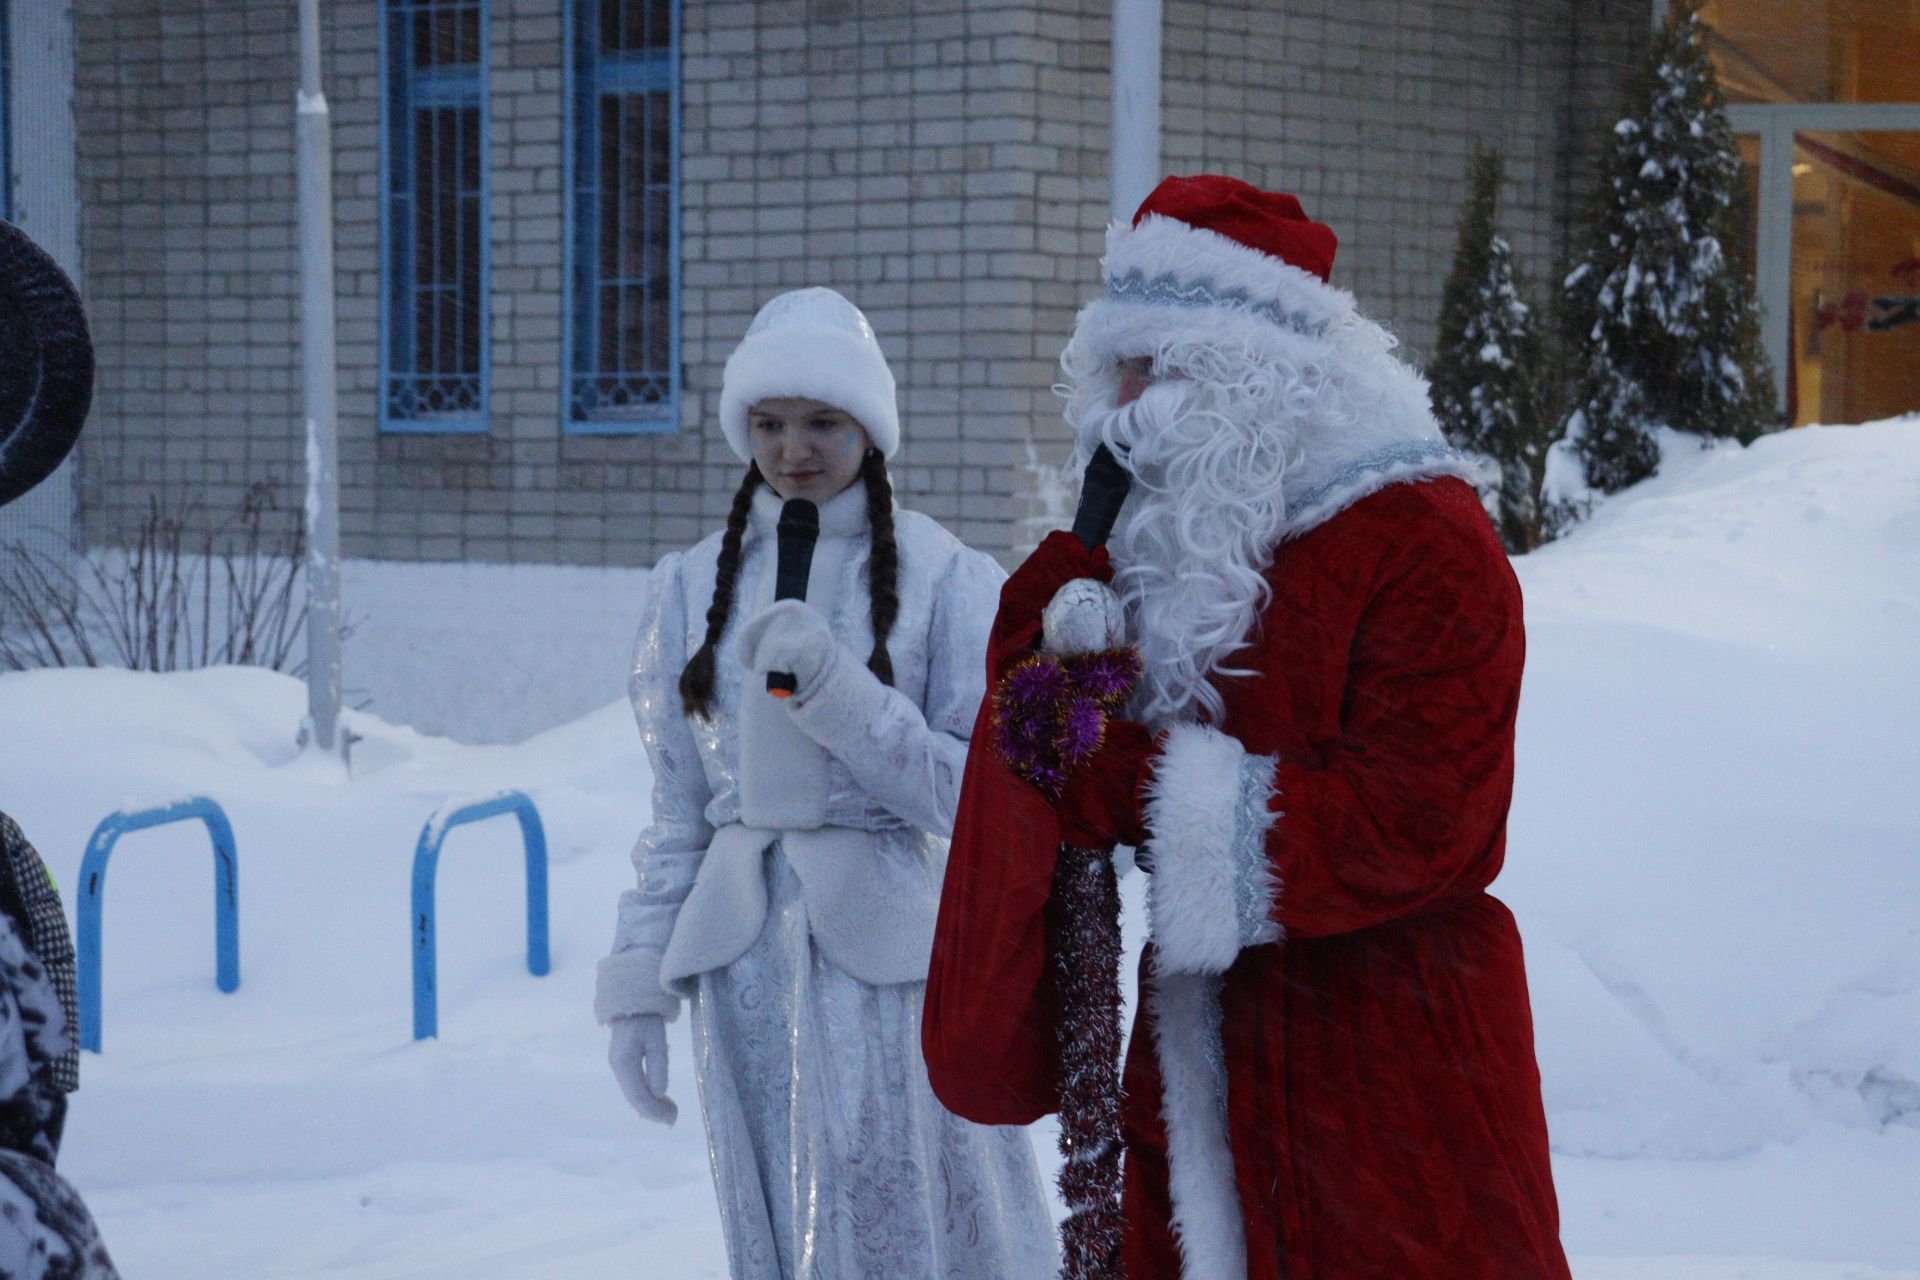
1050	717
1050	712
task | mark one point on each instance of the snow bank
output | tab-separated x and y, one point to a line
486	653
1714	849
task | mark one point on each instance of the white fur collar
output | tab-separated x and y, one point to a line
844	515
1334	471
1259	434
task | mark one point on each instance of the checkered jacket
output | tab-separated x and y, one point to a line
28	895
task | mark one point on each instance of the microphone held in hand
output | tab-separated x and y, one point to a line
1102	492
798	530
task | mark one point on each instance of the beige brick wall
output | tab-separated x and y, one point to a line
187	239
911	155
1367	112
943	163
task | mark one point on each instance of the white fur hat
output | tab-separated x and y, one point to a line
816	344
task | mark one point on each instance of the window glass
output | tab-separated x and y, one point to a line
1856	276
625	311
435	338
1816	50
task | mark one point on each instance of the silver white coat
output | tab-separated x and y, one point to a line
865	823
789	884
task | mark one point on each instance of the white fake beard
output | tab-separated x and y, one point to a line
1208	451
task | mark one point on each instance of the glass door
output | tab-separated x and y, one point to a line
1855	276
1825	95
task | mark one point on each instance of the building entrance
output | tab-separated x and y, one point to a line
1826	96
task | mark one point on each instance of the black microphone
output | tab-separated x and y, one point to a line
1102	492
798	530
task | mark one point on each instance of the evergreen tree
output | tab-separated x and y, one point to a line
1663	326
1486	374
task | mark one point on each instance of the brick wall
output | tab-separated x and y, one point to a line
941	162
934	161
1368	114
187	235
894	151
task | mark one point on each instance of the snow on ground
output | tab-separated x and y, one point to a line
1715	859
485	653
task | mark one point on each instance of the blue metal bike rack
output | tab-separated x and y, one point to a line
93	883
426	861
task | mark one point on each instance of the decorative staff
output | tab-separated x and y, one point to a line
1050	715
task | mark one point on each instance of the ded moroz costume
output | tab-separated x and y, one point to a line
1332	1074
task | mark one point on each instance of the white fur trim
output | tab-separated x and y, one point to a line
1334	489
1372	424
1207	1218
839	368
627	984
1221	290
1162	246
783	776
1212	890
722	914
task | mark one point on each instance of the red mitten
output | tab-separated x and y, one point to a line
1104	800
1058	560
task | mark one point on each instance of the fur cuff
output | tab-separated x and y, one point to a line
1213	889
628	984
843	701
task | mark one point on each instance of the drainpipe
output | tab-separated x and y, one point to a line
1135	166
314	157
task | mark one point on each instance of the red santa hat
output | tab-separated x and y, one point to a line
1215	260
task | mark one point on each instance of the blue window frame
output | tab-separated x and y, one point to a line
434	357
623	279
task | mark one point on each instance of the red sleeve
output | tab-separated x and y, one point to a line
1410	807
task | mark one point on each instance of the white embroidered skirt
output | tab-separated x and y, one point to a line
832	1158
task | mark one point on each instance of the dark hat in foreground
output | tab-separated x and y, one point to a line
46	364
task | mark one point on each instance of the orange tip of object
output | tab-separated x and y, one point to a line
780	693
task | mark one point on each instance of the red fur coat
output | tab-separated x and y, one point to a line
1322	934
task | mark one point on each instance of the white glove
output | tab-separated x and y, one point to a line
787	635
638	1056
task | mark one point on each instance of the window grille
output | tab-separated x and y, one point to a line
624	322
435	330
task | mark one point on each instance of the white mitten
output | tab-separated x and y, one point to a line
787	635
638	1056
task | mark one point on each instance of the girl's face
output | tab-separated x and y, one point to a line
806	448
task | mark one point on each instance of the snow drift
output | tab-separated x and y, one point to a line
1715	849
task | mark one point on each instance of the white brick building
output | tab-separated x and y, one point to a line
944	163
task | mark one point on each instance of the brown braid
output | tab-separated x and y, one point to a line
696	680
883	563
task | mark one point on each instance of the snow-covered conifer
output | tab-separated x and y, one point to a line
1663	326
1486	373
